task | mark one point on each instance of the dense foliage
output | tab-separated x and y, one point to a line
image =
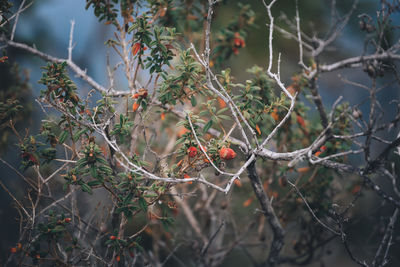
155	174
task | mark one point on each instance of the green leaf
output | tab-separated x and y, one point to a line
203	113
179	141
144	104
93	171
251	122
102	161
222	110
106	169
180	123
58	228
193	101
224	117
79	133
86	188
94	183
80	163
62	137
143	204
151	194
207	126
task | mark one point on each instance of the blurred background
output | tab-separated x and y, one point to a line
46	25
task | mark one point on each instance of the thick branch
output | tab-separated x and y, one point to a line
268	210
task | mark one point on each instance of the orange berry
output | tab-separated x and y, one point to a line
300	121
118	258
186	176
303	169
247	202
237	182
135	106
182	131
318	153
135	48
221	103
227	153
162	116
291	89
258	129
204	148
356	189
13	250
275	115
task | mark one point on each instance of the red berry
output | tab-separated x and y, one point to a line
227	153
143	93
235	50
113	237
300	121
67	220
186	176
237	42
192	151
